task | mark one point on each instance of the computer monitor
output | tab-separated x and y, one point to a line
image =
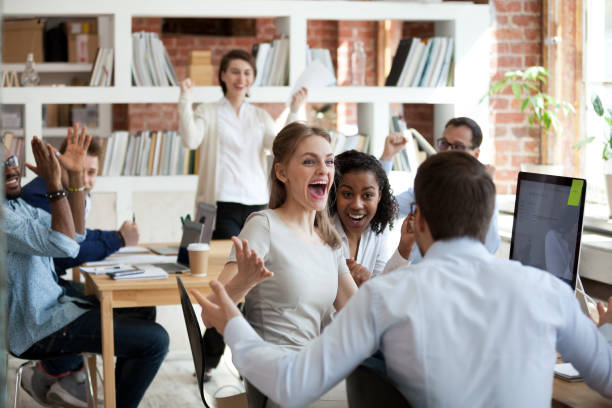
547	228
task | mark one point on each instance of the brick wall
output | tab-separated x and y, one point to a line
516	43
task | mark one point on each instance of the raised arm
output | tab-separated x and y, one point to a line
280	374
191	125
73	160
48	167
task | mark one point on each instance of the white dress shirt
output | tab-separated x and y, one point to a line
242	179
373	251
462	328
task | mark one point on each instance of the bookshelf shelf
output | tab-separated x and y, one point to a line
50	67
467	23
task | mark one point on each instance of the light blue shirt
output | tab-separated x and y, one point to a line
404	199
462	328
37	304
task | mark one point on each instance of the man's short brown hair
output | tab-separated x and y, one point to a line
94	149
456	196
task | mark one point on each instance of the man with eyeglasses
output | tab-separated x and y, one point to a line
460	134
46	321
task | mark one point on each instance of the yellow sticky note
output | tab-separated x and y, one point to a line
575	193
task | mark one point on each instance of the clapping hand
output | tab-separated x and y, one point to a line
298	99
186	85
219	311
393	144
77	144
47	165
251	269
605	314
407	238
359	273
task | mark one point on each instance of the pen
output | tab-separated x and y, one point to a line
134	217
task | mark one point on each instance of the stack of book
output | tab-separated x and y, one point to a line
422	62
102	69
151	65
341	142
200	68
147	153
272	61
323	55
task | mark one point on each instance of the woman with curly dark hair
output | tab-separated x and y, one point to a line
363	207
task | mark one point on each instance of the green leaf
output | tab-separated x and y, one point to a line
516	89
524	104
608	120
583	142
598	106
607	153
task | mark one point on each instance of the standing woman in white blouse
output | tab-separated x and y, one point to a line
233	137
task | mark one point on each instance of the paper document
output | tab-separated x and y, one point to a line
567	372
132	250
315	76
106	268
134	259
150	272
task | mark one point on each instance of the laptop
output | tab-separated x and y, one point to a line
192	232
547	228
206	214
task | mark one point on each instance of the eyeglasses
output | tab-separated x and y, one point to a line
12	161
443	145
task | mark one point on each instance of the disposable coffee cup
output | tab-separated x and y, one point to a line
198	258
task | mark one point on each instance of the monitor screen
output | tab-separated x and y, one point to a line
547	225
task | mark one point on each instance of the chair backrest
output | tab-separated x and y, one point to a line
366	387
195	337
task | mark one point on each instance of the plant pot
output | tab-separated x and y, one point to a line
550	169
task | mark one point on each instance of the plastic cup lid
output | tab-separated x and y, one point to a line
197	246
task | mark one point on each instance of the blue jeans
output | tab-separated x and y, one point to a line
140	347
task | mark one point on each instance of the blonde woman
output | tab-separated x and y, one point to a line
295	243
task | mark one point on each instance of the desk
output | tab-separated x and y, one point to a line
137	293
576	394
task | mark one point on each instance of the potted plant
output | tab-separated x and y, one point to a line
606	153
543	110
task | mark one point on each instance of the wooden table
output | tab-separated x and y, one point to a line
138	293
576	394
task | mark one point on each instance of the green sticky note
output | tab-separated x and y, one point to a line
575	193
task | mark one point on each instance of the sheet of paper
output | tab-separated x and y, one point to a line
315	76
132	250
134	259
150	272
106	268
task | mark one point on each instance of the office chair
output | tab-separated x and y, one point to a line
367	387
195	338
30	362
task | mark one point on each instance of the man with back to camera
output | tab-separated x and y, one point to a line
462	329
460	134
98	244
46	322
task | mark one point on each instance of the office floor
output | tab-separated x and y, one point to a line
175	386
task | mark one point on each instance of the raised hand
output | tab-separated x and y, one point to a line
186	85
47	165
359	273
73	159
605	314
393	144
298	99
129	232
251	269
407	238
219	311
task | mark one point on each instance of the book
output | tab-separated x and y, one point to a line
412	63
399	61
422	63
446	63
151	64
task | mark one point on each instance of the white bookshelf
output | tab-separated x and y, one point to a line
468	24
